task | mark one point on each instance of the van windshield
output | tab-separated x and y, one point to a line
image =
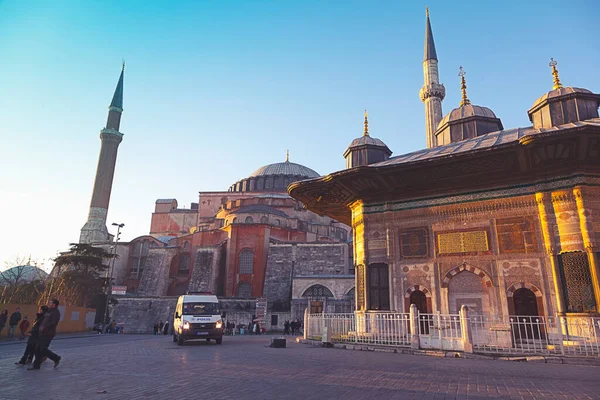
200	308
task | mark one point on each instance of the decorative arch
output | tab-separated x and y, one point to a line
513	288
413	288
351	292
264	219
317	291
487	280
249	220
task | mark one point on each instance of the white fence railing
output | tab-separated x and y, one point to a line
571	335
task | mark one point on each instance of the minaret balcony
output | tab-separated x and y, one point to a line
436	90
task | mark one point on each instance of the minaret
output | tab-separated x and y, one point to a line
432	93
94	230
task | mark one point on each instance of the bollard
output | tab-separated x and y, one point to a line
465	327
414	327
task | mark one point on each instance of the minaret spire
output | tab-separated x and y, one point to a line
432	93
94	230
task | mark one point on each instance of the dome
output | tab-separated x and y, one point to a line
285	168
274	178
363	140
563	91
466	111
21	274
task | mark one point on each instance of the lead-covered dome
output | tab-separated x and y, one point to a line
274	178
285	168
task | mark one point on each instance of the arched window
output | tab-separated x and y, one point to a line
138	258
264	220
317	291
186	245
244	290
277	222
184	264
246	261
249	220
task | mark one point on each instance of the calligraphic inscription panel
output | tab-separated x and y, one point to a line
462	242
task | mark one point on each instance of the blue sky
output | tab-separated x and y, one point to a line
216	89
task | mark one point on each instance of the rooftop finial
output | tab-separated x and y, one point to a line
427	11
366	133
463	87
557	84
287	156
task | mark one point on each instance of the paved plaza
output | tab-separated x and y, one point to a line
153	367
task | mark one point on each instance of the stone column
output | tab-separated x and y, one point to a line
465	325
546	214
414	327
306	323
589	242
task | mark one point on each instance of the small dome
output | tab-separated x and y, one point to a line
363	140
285	168
559	93
466	111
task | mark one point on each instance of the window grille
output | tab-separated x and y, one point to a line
244	290
246	262
317	291
577	282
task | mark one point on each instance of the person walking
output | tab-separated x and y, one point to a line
156	328
12	324
160	327
33	335
166	328
286	327
23	326
46	334
3	319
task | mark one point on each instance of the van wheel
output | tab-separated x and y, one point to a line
180	340
174	337
219	340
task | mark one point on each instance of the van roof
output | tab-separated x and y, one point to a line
199	298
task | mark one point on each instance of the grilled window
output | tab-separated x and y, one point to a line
577	282
244	290
247	262
138	258
317	291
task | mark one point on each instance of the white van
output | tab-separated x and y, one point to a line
197	316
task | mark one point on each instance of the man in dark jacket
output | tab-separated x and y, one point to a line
12	324
33	335
46	333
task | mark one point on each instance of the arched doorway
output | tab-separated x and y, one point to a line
419	299
526	323
525	302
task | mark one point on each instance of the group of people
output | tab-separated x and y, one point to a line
41	334
13	322
294	326
113	327
161	328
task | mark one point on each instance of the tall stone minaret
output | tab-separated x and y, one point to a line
94	230
432	93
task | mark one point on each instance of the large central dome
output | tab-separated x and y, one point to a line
285	168
274	178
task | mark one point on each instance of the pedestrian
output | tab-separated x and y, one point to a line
46	334
286	327
113	327
257	328
12	324
98	328
3	319
23	326
33	335
166	328
156	328
250	328
160	327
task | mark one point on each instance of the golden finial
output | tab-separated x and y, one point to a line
287	156
557	84
463	87
366	133
427	11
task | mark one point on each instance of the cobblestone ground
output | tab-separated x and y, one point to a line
153	367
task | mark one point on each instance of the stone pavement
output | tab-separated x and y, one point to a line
153	367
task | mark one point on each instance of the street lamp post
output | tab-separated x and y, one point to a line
111	268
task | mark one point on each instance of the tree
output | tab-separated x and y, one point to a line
80	276
21	281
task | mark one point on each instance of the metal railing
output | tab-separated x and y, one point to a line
560	335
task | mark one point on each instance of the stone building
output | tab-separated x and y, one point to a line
250	241
506	221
